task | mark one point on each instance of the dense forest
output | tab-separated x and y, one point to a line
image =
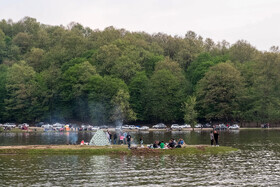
57	73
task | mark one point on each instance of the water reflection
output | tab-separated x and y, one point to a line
256	164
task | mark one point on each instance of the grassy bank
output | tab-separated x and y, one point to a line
114	150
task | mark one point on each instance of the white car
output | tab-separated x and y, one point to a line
160	126
234	127
186	126
118	128
10	125
47	126
144	128
58	125
20	126
198	125
131	127
176	126
95	128
89	127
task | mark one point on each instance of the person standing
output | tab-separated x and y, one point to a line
128	138
216	137
121	139
141	142
115	138
110	137
212	138
124	139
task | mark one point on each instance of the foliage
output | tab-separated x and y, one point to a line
190	114
164	96
50	73
219	93
138	89
121	109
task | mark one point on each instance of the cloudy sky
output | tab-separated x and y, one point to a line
256	21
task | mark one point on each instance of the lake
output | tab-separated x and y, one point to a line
256	164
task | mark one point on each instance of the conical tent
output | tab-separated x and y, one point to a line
99	139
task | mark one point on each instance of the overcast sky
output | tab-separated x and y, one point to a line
256	21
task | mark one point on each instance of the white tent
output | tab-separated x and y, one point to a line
99	139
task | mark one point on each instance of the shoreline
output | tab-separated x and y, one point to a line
39	129
111	150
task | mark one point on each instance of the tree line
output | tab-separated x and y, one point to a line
57	73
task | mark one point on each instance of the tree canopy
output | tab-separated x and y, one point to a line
50	73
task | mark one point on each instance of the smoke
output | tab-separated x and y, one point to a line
118	123
98	113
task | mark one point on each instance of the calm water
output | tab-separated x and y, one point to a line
256	164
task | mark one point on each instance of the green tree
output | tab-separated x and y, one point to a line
138	91
23	41
74	89
35	59
219	92
125	68
164	97
2	46
242	52
265	90
122	111
3	75
18	102
101	91
52	79
190	114
106	58
201	65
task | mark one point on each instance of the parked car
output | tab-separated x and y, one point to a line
175	126
144	128
160	126
95	128
58	126
103	127
40	124
198	125
221	127
131	127
9	125
207	125
234	127
89	127
47	126
186	126
118	128
23	126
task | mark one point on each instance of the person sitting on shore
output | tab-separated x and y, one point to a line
181	142
162	145
155	145
171	143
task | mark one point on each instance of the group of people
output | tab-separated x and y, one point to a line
125	138
170	145
119	138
